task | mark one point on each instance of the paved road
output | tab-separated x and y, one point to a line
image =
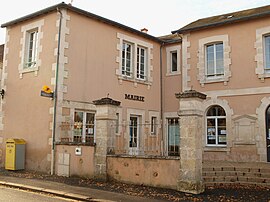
16	195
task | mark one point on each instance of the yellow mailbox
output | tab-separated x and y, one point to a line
15	154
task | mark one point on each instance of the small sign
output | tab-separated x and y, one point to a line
45	94
134	97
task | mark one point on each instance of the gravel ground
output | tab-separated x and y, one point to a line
220	193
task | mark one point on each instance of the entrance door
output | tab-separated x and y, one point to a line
267	116
133	135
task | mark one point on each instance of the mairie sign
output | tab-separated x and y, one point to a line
134	97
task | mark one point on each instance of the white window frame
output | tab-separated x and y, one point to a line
141	73
168	140
149	60
169	51
202	63
137	131
83	136
31	49
266	69
216	128
24	53
141	115
260	52
215	75
124	60
153	125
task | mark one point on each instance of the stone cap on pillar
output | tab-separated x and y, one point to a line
107	101
190	94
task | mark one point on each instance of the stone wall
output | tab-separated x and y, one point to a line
156	171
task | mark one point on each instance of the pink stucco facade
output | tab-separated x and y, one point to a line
138	75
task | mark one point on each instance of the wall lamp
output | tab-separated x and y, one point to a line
2	93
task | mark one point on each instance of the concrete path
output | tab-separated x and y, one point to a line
68	191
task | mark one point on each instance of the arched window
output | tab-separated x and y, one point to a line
216	126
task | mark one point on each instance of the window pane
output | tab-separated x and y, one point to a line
141	62
89	127
133	132
215	59
126	59
211	131
173	137
174	61
216	126
222	131
78	127
267	52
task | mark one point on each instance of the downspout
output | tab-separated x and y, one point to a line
55	94
161	99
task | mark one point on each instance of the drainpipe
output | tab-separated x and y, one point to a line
55	94
161	99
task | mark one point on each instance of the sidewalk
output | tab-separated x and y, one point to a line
68	191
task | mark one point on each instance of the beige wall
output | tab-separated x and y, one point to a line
242	96
92	65
171	82
26	113
75	165
156	172
242	37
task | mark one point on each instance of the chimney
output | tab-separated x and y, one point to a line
144	30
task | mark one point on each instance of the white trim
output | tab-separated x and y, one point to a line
201	65
154	114
141	115
229	113
149	58
237	92
24	41
259	57
185	63
166	116
261	136
169	51
4	78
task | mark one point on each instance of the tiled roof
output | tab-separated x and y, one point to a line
228	18
82	12
171	38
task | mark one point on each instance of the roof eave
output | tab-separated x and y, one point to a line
82	12
231	21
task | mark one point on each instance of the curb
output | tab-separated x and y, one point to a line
51	191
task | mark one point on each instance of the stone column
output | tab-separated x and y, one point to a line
105	117
191	131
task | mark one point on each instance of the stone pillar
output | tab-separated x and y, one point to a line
191	131
105	117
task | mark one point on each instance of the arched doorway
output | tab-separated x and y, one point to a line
267	124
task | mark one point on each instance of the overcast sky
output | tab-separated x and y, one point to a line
160	17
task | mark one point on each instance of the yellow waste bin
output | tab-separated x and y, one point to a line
15	154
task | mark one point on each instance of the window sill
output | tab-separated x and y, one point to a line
264	76
130	79
28	70
216	148
76	143
173	73
214	80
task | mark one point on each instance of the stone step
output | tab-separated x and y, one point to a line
257	173
233	179
237	173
